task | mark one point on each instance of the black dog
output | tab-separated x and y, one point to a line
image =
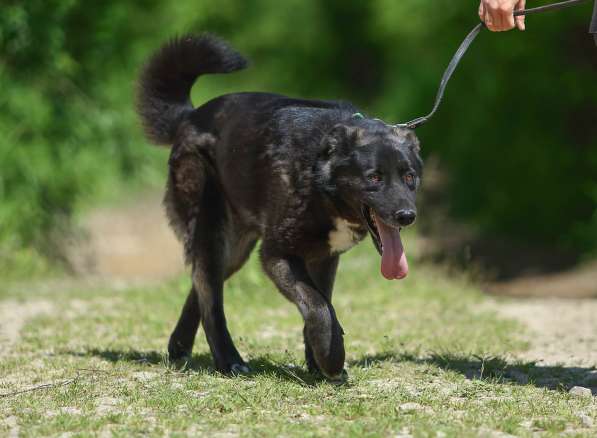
307	177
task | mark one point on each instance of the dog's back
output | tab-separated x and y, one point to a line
247	138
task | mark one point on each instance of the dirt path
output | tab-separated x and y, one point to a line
561	331
580	282
14	315
124	245
129	242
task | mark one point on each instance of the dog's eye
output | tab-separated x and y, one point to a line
374	177
409	179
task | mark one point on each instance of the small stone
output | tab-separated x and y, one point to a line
11	421
580	391
404	433
409	407
585	420
70	410
144	376
527	424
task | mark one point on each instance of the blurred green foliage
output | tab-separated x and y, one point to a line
517	132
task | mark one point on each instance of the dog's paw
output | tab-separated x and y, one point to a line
312	367
178	356
237	369
180	363
178	351
339	379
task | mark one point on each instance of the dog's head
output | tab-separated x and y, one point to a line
375	169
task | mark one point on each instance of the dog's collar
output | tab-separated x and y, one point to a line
361	116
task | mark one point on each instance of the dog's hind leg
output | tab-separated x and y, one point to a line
197	211
181	341
323	273
206	302
322	330
208	281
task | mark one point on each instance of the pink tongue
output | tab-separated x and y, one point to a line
393	259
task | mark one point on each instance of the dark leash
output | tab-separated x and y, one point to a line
461	52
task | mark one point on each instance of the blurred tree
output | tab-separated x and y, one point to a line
518	130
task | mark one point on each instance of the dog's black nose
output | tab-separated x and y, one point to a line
406	217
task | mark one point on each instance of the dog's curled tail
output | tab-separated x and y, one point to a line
164	89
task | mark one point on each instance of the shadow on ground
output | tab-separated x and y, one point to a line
493	369
262	365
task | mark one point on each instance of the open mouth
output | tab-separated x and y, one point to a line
386	239
372	227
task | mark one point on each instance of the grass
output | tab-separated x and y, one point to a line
426	357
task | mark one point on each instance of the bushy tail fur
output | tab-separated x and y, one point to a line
163	97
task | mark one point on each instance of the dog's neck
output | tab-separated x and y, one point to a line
338	208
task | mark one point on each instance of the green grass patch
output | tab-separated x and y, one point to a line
426	357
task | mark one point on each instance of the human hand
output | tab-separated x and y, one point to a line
498	15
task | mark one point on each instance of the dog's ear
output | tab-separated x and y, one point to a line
341	138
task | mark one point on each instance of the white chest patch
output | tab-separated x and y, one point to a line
344	236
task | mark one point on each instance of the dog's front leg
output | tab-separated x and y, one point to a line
322	330
323	273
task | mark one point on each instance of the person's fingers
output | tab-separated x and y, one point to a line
489	16
501	13
520	19
483	13
488	20
506	11
498	16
